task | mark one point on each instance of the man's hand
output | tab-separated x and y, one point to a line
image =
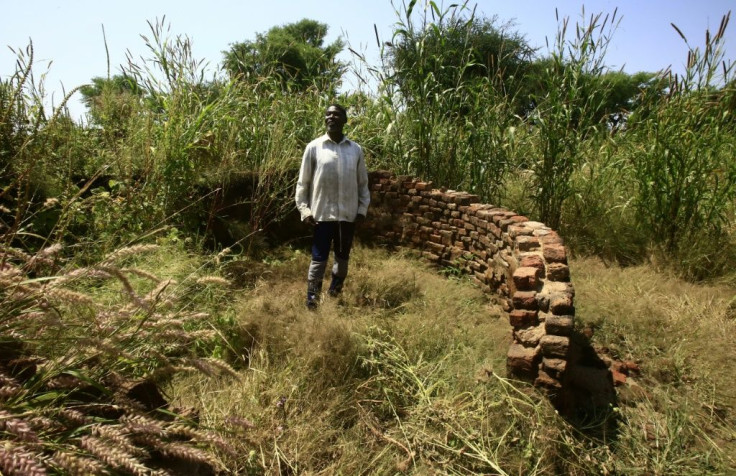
359	219
310	220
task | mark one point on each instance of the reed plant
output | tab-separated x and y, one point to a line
681	154
82	355
443	121
81	359
569	115
38	151
660	189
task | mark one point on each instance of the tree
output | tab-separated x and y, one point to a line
625	92
111	101
294	53
455	48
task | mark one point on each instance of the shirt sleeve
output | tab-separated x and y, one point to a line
364	194
304	184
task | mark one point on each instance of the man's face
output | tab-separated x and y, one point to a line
335	120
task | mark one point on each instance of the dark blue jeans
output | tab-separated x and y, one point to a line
330	235
335	234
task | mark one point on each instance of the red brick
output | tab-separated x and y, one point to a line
544	380
618	378
523	318
424	186
551	238
527	243
529	336
525	300
435	247
500	215
494	230
558	272
554	253
632	366
559	325
561	304
430	256
526	278
553	366
519	230
532	261
519	218
462	198
555	346
522	361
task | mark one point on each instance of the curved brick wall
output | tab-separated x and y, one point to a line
522	263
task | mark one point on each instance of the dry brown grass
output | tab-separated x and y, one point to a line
680	411
308	390
403	373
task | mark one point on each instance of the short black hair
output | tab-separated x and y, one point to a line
339	108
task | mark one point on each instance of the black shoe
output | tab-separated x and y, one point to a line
314	288
336	285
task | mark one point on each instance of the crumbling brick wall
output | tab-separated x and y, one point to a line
520	262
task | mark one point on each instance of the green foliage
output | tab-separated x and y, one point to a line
684	169
294	53
456	46
624	93
461	101
599	218
38	156
196	139
682	154
447	119
570	111
111	102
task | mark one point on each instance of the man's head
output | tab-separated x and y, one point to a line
335	119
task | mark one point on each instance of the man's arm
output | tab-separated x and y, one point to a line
364	194
304	184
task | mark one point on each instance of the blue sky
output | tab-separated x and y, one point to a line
69	33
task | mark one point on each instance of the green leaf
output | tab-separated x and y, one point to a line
410	8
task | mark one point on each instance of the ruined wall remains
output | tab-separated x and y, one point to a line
522	263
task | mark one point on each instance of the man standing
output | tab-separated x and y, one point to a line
332	195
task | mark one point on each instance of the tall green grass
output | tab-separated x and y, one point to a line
169	155
682	159
658	186
441	122
569	117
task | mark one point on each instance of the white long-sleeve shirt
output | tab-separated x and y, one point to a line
333	181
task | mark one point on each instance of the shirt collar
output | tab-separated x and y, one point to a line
326	137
